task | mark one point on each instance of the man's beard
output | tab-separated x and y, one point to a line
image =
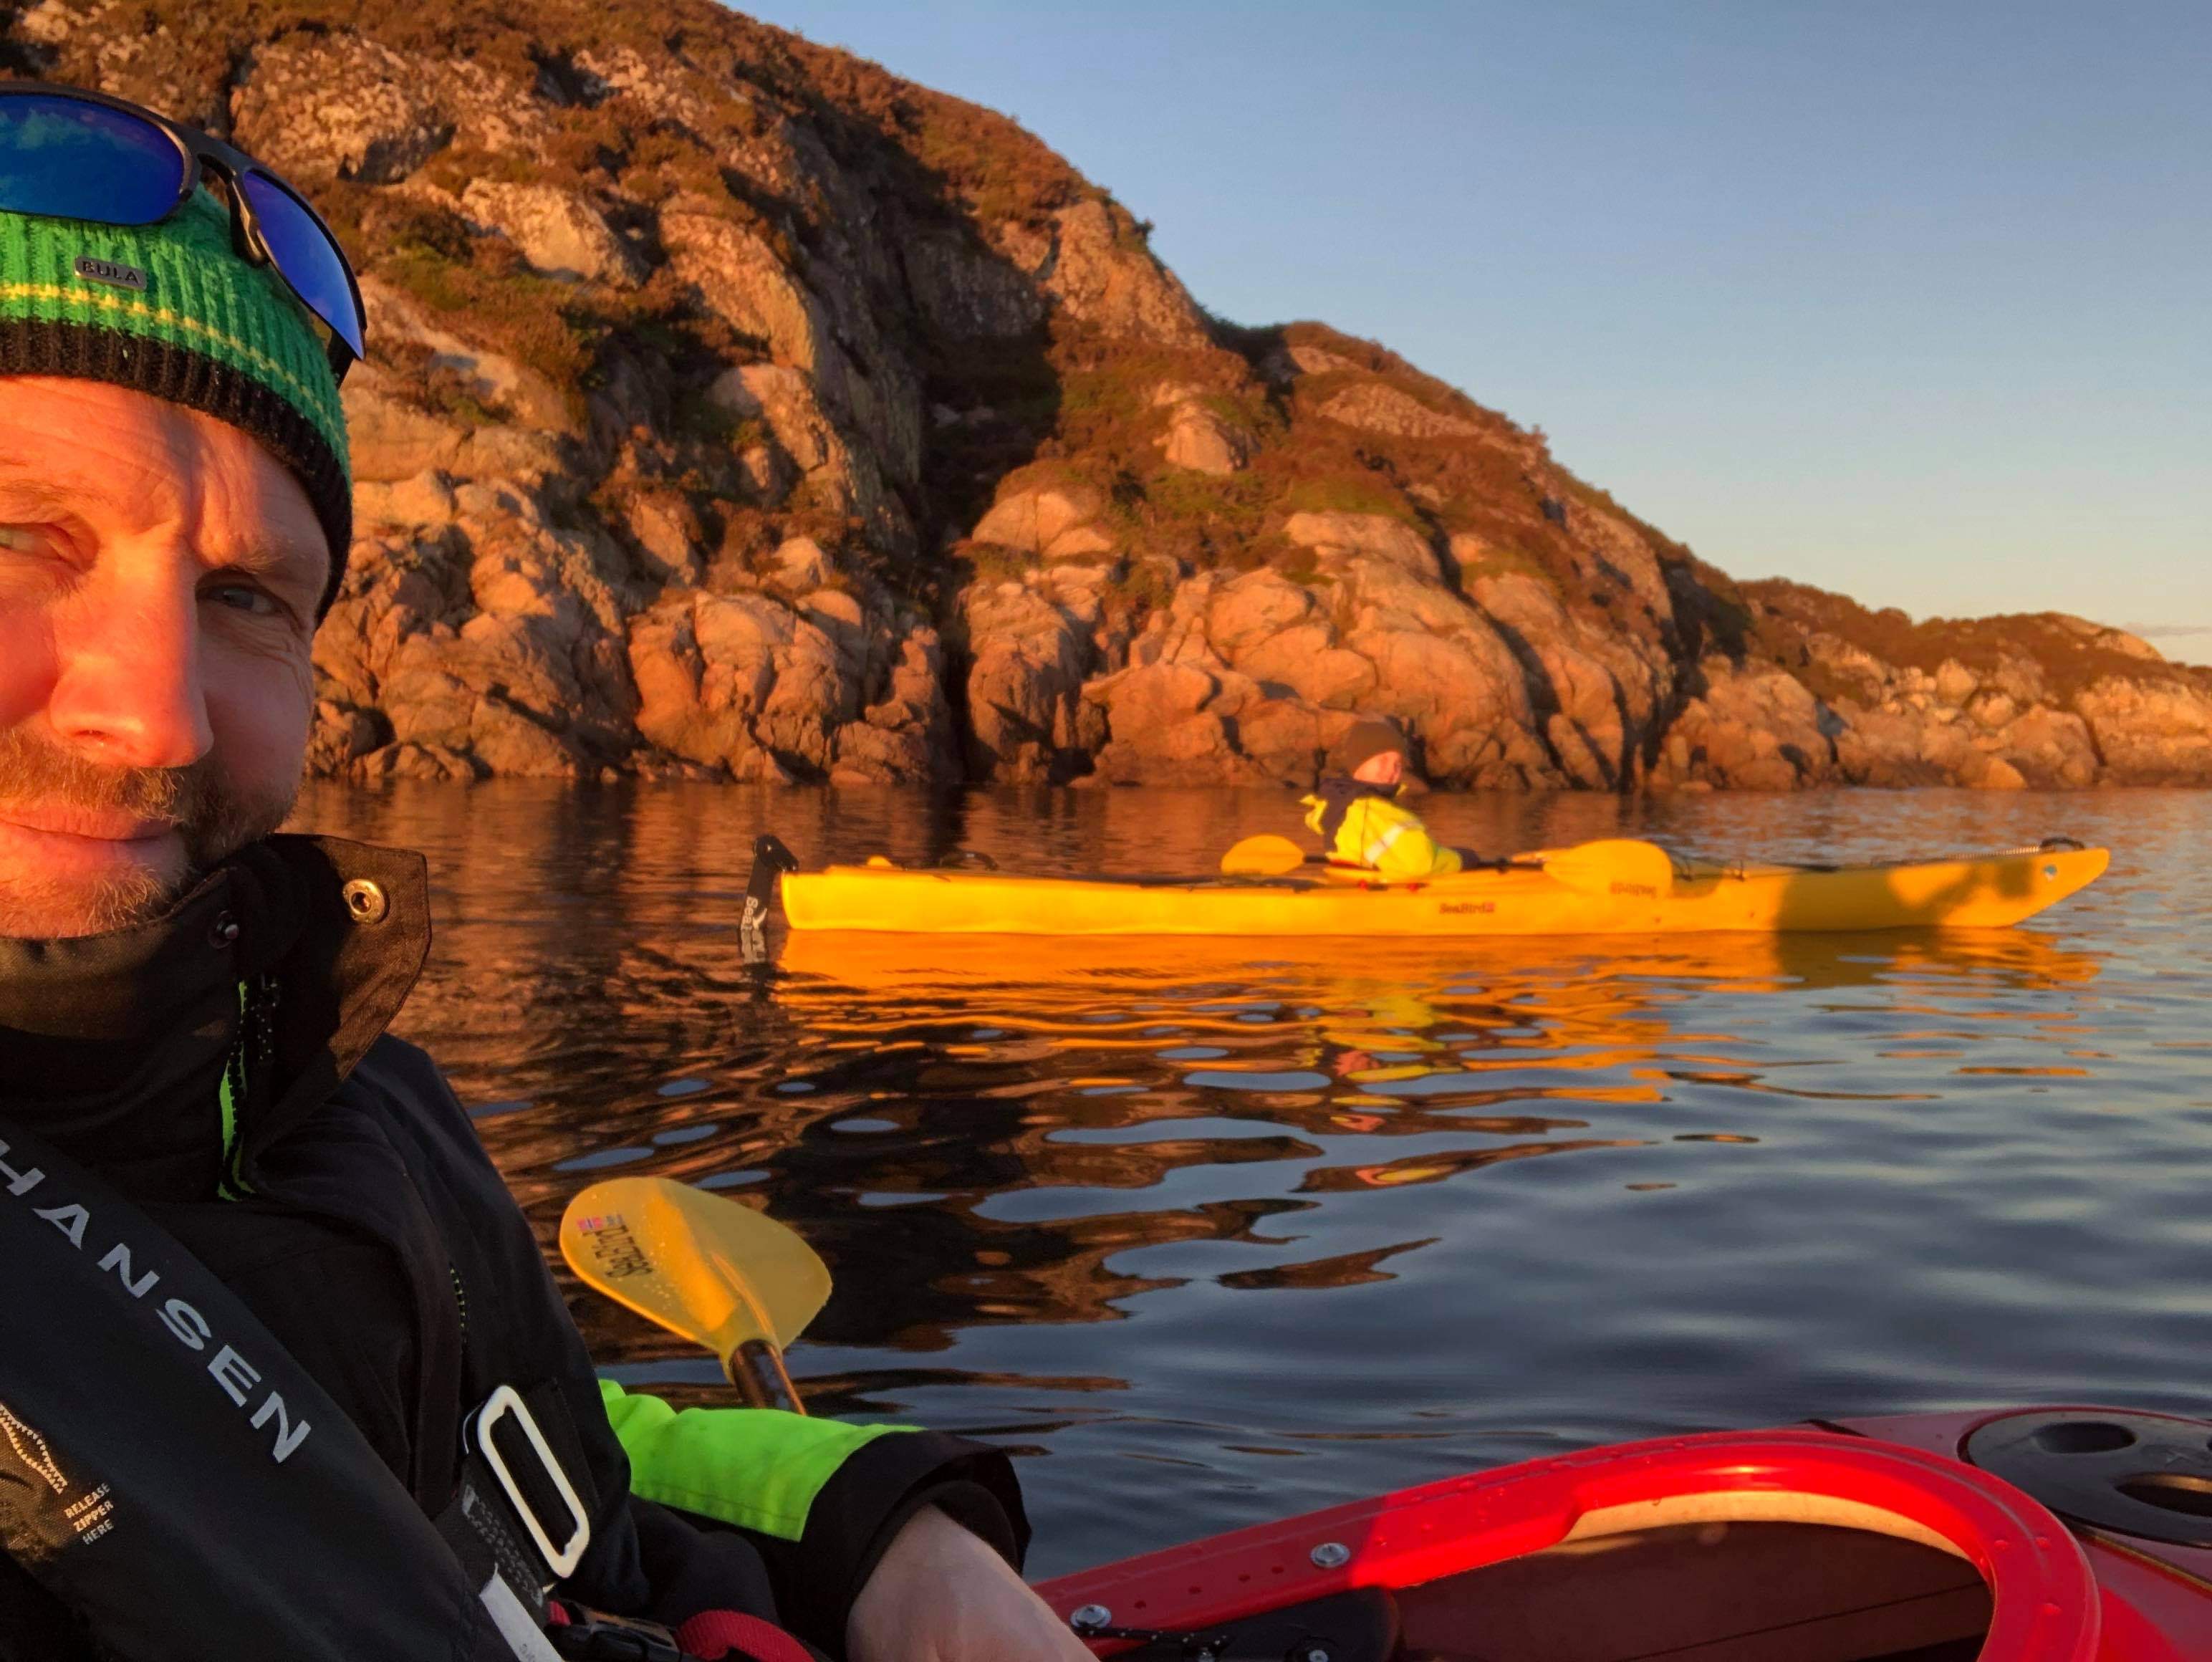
214	818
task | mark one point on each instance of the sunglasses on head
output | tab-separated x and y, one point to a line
66	153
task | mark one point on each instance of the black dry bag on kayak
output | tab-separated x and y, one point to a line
172	1475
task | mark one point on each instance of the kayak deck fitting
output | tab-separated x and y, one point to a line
1989	892
1929	1537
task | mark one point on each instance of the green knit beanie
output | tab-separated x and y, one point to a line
172	310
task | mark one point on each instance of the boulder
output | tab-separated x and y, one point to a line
1246	612
1027	659
1097	277
1195	750
412	761
493	378
1955	682
488	638
905	738
2150	733
423	500
740	682
875	403
1379	536
2051	749
1201	441
768	473
666	530
1884	747
1990	710
1033	520
799	567
784	400
390	438
342	732
745	282
1289	738
555	230
1456	692
2119	640
314	105
1986	772
1611	553
1598	694
1303	659
1150	698
1754	728
1078	542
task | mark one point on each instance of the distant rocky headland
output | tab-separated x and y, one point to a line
737	409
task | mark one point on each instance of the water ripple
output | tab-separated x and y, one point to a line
1210	1233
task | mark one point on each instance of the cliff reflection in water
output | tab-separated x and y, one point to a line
1092	1074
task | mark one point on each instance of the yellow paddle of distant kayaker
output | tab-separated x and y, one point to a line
1621	866
1264	856
1615	866
704	1266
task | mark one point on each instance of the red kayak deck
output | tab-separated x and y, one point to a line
1920	1539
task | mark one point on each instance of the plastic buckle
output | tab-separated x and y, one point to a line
562	1559
588	1637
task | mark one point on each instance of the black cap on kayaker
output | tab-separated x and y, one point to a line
1369	739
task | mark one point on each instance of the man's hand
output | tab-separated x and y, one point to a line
939	1594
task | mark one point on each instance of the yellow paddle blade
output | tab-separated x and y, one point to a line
1263	856
1618	866
701	1265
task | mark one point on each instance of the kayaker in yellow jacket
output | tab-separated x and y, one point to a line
1360	818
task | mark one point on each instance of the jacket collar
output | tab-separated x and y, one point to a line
363	938
1341	788
119	1022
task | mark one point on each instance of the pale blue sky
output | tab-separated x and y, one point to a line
1907	298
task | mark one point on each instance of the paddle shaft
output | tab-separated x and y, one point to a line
755	1368
1268	856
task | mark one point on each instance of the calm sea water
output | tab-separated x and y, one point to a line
1209	1233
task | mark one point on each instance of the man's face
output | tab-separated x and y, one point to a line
159	576
1386	769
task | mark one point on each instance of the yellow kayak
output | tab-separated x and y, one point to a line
1988	892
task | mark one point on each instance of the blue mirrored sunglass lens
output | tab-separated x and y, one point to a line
303	252
65	159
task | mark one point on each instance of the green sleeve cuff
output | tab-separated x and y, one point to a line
758	1468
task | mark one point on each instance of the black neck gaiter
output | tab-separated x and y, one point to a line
113	1047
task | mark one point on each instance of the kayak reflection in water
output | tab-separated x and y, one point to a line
288	1376
1360	817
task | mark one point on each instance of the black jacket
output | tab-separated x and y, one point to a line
368	1231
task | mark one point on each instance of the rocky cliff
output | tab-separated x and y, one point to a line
735	409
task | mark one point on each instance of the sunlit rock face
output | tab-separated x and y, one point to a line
736	410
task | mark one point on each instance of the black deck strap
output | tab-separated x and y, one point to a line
168	1471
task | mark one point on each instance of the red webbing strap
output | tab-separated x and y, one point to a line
726	1636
